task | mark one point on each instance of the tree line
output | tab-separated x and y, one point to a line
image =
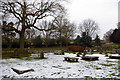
113	35
62	35
39	23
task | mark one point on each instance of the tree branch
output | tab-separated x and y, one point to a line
17	31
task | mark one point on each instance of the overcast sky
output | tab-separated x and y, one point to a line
104	12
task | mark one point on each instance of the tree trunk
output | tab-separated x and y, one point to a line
9	43
46	43
22	41
60	42
23	29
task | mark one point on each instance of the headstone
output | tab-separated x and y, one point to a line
21	70
42	55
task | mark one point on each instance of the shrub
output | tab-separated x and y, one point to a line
85	40
37	41
76	48
15	43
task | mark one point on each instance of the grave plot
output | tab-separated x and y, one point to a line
55	67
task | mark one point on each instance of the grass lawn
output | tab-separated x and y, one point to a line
54	66
7	52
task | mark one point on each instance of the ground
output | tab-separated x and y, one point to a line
54	66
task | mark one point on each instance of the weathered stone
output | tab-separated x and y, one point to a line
90	58
59	52
61	67
19	71
42	55
115	57
78	54
71	59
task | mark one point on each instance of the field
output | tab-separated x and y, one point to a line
54	66
7	53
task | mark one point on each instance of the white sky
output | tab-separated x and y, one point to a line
104	12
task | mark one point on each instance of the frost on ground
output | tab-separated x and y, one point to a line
55	67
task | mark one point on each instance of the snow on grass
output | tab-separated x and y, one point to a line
55	67
21	68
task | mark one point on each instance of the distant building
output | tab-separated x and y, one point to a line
119	15
118	25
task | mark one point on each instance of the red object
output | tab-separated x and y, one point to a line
76	48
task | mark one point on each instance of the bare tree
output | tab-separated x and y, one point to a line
59	23
47	34
30	33
64	29
8	36
27	13
69	29
89	26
